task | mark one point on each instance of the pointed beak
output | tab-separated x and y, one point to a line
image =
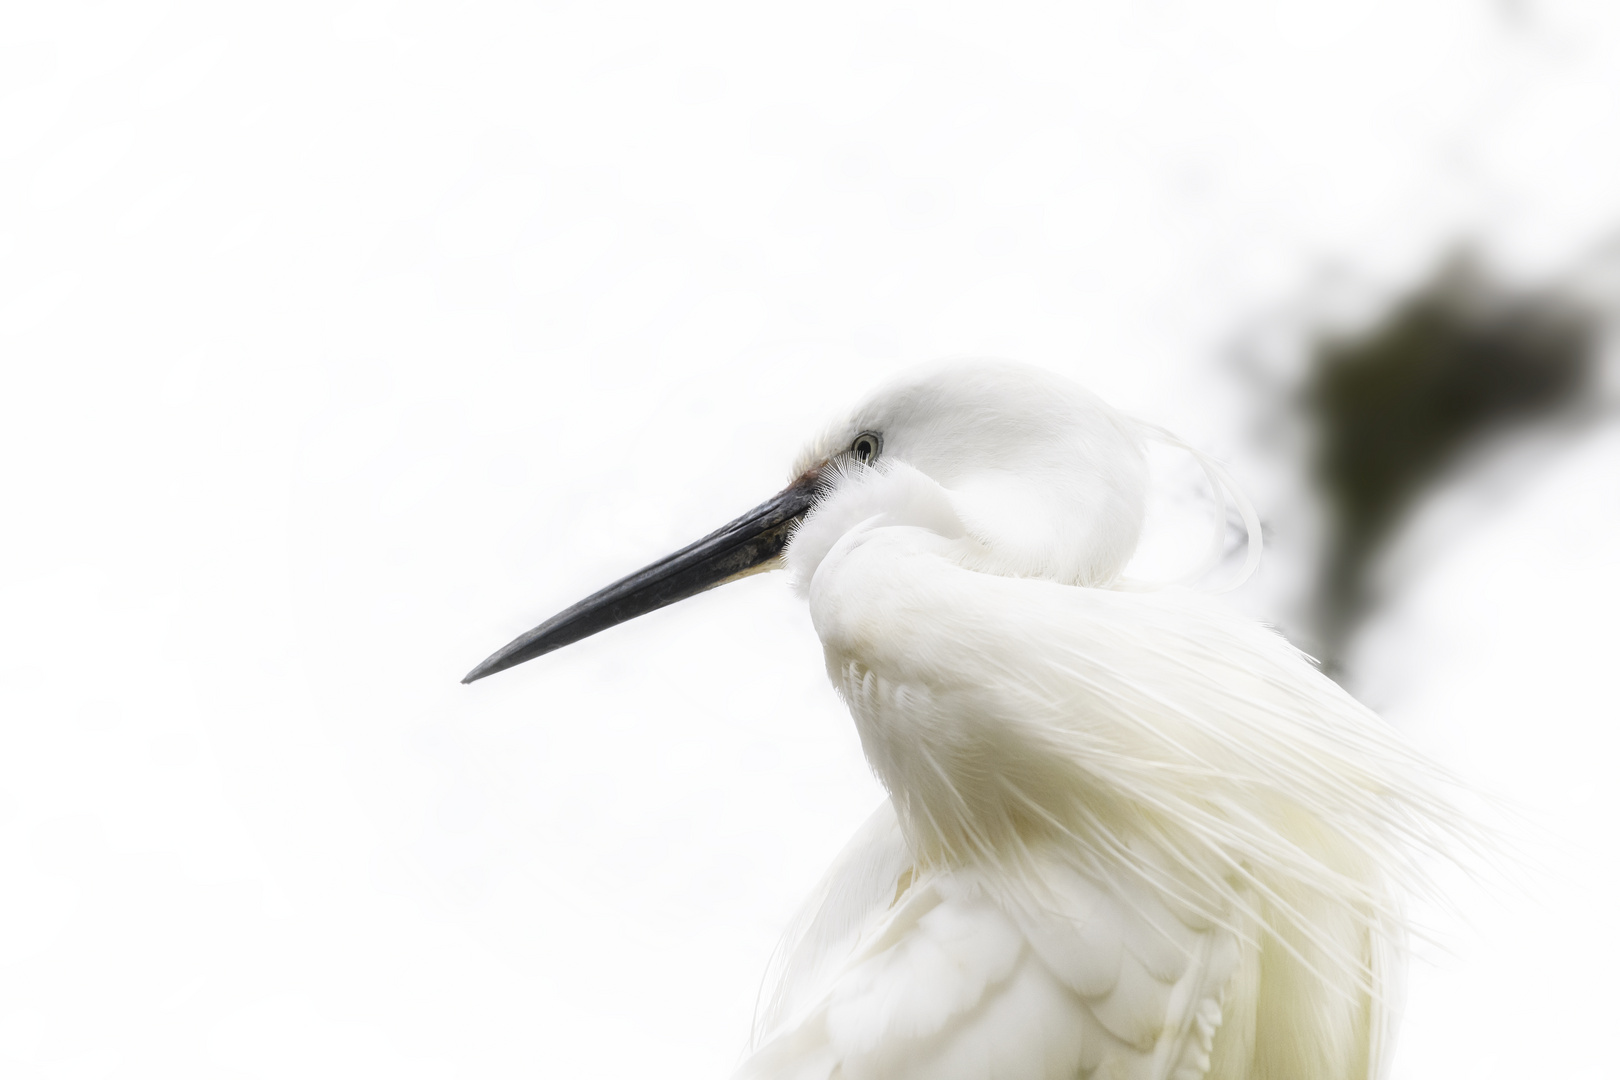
748	545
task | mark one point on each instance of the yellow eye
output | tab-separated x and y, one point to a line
866	447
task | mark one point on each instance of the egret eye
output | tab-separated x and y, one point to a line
866	447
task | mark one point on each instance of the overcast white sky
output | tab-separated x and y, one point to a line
343	342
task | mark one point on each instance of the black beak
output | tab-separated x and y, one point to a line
734	551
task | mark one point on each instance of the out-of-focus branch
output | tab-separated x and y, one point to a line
1392	409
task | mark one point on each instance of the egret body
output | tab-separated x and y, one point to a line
1129	833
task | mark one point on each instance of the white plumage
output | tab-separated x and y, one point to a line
1130	834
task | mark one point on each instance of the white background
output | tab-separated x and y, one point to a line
343	342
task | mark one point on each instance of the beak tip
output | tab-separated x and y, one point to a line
515	653
488	667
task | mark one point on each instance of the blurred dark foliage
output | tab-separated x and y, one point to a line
1392	408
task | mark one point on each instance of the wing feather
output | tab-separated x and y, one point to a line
951	980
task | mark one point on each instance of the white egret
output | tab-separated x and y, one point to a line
1129	833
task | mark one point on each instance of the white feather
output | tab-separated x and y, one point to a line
1130	833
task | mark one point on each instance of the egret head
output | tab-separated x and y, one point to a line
1041	476
1033	475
